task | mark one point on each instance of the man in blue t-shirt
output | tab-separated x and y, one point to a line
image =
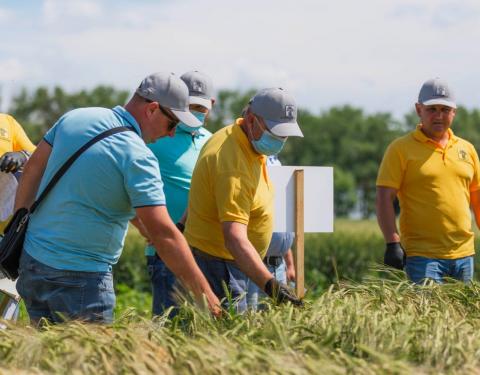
177	157
77	232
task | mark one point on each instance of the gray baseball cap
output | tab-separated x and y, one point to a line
436	91
279	111
170	92
200	88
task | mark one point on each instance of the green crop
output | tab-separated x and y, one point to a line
378	326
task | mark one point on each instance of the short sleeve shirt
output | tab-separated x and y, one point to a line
229	183
434	185
82	223
177	157
12	138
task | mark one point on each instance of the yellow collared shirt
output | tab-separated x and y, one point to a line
229	183
434	185
12	138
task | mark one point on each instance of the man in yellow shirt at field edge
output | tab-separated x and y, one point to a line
15	147
230	210
436	176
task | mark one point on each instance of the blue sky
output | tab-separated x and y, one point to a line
372	54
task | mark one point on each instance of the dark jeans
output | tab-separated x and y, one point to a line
163	281
59	295
221	274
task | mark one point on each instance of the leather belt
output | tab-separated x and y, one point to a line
274	261
206	256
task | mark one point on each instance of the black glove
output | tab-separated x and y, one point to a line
180	227
281	293
394	255
10	162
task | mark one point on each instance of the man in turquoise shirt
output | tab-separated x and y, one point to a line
177	157
77	232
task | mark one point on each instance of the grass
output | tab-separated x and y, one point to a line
358	320
379	326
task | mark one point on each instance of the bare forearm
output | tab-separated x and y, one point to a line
386	219
32	175
475	204
173	249
289	258
249	261
137	223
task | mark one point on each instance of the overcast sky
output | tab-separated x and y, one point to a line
373	54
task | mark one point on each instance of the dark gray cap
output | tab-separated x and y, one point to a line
279	111
200	88
436	91
170	92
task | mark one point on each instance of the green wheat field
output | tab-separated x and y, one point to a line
358	319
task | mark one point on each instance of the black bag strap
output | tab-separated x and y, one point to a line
74	157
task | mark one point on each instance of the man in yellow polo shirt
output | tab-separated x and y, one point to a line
230	210
15	147
436	176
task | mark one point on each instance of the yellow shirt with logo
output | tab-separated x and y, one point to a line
229	183
12	138
434	185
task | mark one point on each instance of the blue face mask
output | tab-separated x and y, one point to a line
268	144
201	116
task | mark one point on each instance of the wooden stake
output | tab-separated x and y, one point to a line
299	233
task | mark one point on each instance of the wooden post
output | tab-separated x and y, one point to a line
299	232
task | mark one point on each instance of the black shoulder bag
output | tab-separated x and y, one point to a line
12	243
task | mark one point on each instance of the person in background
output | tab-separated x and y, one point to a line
436	177
77	233
279	258
230	207
176	157
15	149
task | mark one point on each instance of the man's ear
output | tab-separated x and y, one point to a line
150	109
418	108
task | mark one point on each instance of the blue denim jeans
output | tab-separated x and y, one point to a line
162	281
419	269
255	293
59	295
221	273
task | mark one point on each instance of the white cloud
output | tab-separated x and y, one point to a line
374	54
58	11
12	70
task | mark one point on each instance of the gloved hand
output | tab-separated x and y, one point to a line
281	293
11	162
394	255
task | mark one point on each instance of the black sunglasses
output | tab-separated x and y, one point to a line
173	120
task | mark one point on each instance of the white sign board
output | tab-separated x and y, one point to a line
318	198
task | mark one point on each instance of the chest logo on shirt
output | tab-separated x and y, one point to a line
3	133
462	155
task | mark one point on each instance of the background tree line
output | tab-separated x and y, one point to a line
346	138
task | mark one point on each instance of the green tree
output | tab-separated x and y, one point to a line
38	110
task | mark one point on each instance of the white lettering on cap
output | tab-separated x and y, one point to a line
197	86
440	91
289	111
